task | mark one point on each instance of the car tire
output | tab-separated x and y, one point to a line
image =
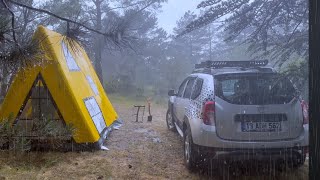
299	162
190	154
170	121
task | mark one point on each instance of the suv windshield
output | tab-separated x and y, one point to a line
254	89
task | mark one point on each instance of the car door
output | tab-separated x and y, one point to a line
178	98
185	100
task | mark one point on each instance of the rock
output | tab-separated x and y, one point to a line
156	140
130	166
2	178
100	177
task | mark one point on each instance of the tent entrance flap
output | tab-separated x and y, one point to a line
39	113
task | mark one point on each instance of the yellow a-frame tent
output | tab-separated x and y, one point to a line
73	85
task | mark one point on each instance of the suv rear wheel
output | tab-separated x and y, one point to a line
190	155
297	163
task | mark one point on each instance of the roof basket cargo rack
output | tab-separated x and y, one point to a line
221	64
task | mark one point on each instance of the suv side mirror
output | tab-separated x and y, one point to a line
171	92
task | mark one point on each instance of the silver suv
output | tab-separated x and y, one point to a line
242	110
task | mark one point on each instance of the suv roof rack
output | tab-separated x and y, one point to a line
222	64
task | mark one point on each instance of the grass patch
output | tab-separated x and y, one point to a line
130	100
29	160
57	165
126	100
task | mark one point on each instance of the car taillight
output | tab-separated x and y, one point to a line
208	113
305	112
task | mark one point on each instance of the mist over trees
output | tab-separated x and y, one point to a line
274	30
133	55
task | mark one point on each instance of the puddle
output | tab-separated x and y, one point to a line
149	134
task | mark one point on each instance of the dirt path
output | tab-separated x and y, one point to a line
149	148
137	151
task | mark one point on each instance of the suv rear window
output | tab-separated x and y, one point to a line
254	89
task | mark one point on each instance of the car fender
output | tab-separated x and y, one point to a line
171	102
186	124
191	119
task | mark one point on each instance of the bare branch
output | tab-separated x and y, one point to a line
124	7
61	18
12	21
298	24
145	7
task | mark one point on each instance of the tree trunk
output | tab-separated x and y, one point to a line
265	42
98	44
97	63
210	45
2	83
2	91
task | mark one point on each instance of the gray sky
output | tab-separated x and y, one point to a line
173	10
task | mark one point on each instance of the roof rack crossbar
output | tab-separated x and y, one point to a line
221	64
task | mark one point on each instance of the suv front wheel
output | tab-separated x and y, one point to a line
170	121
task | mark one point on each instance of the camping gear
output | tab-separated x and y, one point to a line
69	82
149	109
137	114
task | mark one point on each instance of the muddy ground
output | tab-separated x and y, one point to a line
141	150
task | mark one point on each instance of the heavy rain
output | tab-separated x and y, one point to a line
154	89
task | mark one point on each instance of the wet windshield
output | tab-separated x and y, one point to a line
254	89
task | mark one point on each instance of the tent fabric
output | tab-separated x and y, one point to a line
74	86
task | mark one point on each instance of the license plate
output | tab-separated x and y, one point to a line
261	126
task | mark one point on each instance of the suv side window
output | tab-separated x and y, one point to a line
181	88
197	88
189	87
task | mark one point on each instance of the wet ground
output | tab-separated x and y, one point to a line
143	150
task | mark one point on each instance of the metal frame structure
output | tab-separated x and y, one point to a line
222	64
